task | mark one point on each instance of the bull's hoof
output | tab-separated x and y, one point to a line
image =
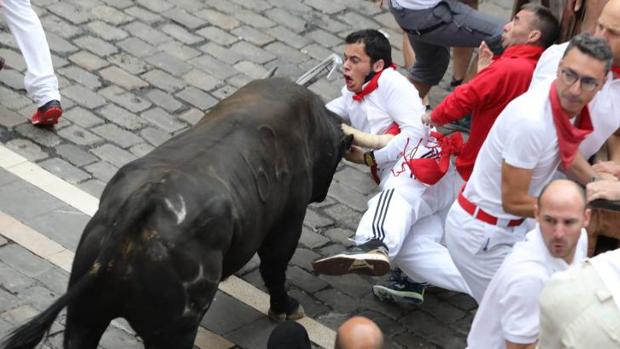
296	314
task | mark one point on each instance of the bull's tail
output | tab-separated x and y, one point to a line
31	333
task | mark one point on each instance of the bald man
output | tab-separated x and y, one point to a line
508	314
359	333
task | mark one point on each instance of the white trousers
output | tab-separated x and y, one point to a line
478	248
425	258
407	216
40	81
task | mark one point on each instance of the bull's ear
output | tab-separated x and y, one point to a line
347	141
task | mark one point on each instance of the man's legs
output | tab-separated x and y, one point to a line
380	233
461	56
423	73
478	248
459	26
409	59
40	81
424	259
383	227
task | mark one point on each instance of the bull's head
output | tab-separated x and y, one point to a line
334	146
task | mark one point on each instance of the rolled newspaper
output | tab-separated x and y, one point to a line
366	140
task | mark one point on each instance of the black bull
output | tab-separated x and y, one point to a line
173	224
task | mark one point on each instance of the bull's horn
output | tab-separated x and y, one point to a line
366	140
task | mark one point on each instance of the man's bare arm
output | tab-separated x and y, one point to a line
606	189
582	172
515	191
607	167
485	56
355	154
510	345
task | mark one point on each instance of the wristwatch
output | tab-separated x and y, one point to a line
369	158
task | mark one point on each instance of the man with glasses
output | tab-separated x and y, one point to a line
536	133
605	106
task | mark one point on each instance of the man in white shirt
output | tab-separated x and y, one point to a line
605	106
402	217
508	314
525	146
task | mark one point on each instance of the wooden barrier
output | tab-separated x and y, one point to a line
605	221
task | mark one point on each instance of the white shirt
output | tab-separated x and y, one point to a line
509	309
523	136
395	100
607	265
604	107
415	4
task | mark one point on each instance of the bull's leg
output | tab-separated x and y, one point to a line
182	339
83	333
275	253
89	314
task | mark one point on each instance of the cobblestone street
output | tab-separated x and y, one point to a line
135	73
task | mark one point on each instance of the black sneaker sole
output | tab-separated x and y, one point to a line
365	264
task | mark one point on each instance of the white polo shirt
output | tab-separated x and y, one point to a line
524	136
604	107
607	265
395	100
509	309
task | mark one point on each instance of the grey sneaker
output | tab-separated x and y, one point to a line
370	258
399	288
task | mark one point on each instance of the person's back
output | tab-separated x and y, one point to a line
580	307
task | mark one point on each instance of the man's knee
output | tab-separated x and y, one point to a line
431	69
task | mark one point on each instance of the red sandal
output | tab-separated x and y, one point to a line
48	114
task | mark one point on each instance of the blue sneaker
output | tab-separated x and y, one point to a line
399	288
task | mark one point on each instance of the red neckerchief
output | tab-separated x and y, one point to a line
523	50
569	135
372	85
431	170
616	71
